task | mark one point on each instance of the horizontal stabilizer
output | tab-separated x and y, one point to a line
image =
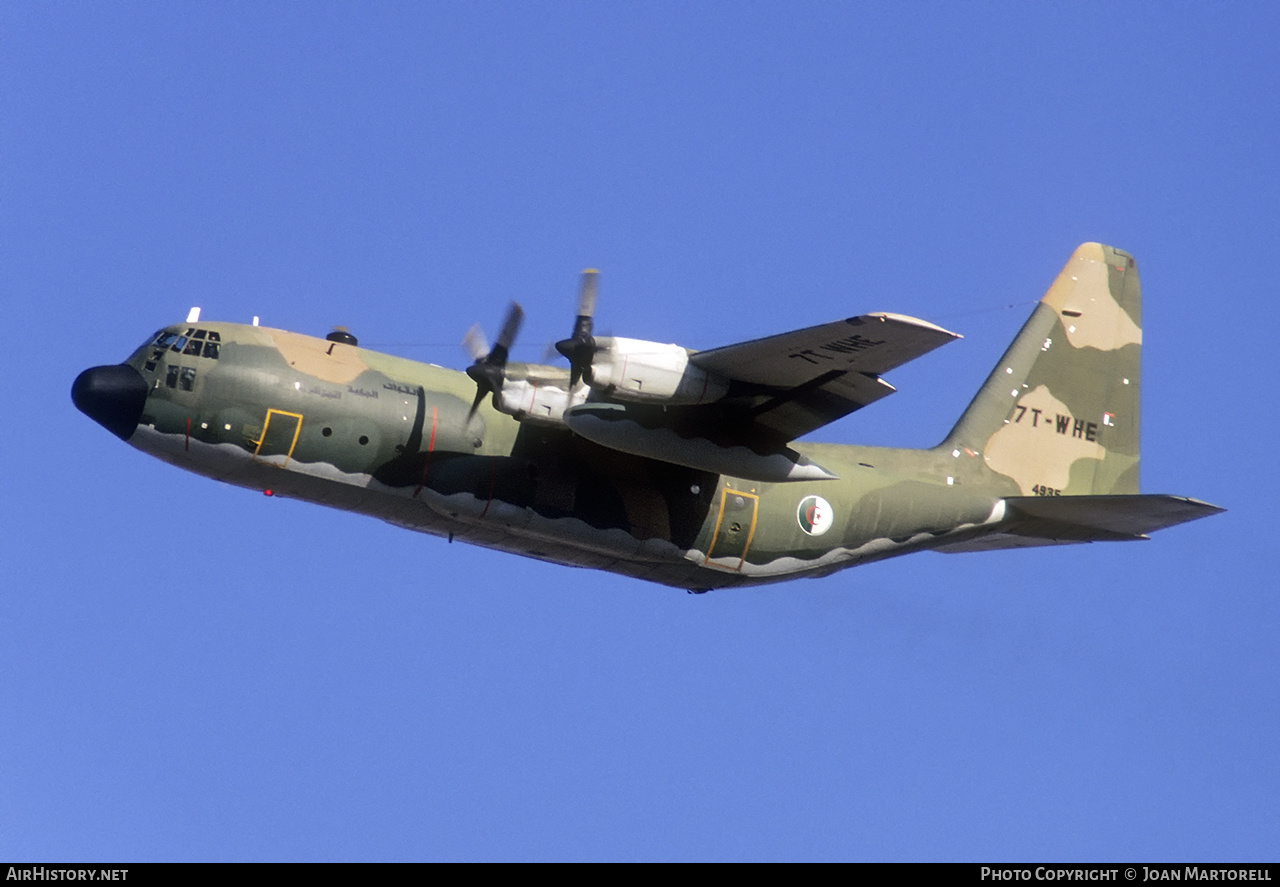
1058	520
1134	516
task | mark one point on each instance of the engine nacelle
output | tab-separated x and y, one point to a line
542	404
649	372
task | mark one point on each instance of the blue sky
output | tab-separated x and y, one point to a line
190	671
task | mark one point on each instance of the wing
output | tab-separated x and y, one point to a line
794	382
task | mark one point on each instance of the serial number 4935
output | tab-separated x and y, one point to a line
1042	490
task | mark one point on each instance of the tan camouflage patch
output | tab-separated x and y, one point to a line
328	361
1089	312
1031	451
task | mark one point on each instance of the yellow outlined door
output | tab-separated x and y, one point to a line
279	436
735	526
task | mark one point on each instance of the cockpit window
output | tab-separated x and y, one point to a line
196	343
187	380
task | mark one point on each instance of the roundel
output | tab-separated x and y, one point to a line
814	515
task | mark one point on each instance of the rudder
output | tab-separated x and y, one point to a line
1059	414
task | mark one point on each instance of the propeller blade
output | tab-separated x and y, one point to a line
488	379
475	404
580	348
586	302
510	326
475	343
489	369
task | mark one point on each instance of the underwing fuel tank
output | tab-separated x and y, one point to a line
611	425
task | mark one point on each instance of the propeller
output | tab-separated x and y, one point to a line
580	347
490	365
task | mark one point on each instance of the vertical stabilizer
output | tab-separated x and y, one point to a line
1059	414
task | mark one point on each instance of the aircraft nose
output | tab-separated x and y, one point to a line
112	396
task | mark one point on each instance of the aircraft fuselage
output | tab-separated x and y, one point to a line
664	464
332	423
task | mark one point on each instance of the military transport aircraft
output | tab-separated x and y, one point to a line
676	466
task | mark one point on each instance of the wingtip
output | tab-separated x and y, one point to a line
887	316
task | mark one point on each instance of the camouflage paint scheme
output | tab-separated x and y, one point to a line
1047	453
